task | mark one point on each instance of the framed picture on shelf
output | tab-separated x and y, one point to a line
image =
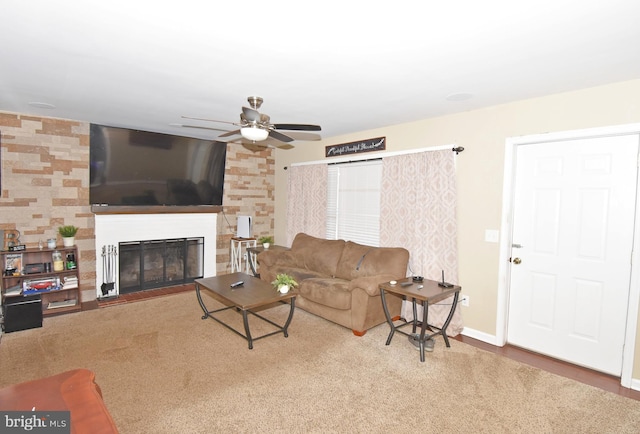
13	261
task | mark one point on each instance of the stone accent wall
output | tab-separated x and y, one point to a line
45	184
249	186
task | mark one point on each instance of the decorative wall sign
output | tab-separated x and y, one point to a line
377	144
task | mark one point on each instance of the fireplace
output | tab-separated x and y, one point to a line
150	264
161	231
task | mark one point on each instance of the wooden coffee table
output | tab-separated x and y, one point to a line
253	294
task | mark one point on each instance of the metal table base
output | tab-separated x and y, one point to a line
425	301
245	319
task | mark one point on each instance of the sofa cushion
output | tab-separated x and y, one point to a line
318	254
274	258
329	292
298	274
358	260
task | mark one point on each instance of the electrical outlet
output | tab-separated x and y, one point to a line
464	300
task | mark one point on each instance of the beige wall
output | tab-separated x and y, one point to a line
480	171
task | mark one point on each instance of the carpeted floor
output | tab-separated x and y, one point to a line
164	370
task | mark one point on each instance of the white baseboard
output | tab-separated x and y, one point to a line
481	336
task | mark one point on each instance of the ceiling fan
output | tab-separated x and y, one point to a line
256	128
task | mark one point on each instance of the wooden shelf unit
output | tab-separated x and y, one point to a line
41	256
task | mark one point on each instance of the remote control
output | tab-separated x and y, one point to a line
238	283
406	284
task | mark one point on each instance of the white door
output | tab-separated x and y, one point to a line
573	223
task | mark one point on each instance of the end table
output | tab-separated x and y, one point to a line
426	292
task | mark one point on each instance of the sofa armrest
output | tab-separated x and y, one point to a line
370	284
269	258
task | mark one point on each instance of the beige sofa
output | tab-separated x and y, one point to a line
338	280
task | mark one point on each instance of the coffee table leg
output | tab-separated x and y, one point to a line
245	320
286	324
204	308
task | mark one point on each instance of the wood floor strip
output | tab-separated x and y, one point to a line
593	378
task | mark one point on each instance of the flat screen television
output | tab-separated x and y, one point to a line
142	168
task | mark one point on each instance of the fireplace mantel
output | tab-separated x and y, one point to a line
110	209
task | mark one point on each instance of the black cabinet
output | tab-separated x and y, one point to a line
21	313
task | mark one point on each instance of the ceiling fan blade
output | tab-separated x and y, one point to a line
279	136
257	146
209	120
254	147
301	135
297	127
200	127
284	146
269	143
230	133
250	114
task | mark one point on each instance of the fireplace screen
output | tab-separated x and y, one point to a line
159	263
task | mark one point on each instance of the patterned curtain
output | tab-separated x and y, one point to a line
418	212
307	201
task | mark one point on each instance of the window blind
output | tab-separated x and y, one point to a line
353	202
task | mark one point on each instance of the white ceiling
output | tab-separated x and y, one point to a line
345	65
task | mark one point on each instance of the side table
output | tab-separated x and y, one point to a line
237	254
426	292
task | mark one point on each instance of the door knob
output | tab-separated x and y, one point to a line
517	261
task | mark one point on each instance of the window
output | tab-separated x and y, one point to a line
353	202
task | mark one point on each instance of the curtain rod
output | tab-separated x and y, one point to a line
355	161
456	149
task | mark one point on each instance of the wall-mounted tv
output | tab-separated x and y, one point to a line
141	168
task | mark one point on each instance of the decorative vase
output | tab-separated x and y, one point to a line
283	289
266	245
68	241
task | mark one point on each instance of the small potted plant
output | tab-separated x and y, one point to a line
266	241
68	234
284	283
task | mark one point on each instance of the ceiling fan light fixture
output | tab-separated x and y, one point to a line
254	134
